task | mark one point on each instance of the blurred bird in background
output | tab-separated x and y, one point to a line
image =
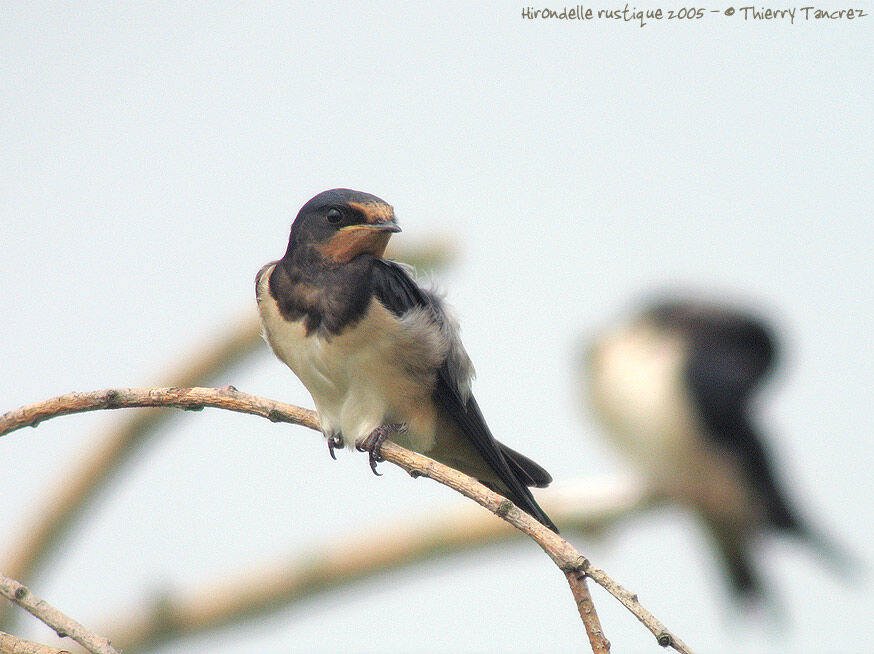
673	387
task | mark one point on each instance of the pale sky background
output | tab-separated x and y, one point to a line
154	155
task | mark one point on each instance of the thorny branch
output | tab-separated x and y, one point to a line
564	555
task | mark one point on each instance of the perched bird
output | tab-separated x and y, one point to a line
379	354
673	387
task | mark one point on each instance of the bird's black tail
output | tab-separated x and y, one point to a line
736	560
839	558
746	581
509	473
736	557
784	518
530	474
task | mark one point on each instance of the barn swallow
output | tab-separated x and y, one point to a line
380	355
674	389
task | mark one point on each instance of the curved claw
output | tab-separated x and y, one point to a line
373	461
333	442
373	443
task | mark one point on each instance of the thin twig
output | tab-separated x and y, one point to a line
586	607
563	554
62	624
628	599
587	506
10	644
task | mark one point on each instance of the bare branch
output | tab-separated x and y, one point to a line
563	554
584	506
190	399
629	600
63	625
580	590
10	644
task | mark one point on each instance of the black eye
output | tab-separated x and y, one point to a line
334	216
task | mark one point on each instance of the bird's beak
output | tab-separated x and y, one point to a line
391	226
388	226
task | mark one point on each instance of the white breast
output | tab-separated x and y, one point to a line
636	385
380	370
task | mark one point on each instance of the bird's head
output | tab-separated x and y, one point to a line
341	224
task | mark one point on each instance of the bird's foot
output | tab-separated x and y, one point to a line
372	443
334	440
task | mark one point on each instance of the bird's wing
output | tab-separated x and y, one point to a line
730	355
733	352
399	293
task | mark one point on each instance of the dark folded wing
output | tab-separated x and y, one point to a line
730	355
399	293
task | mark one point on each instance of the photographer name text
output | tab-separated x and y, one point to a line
642	17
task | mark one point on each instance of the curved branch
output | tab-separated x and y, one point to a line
62	624
10	644
575	566
190	399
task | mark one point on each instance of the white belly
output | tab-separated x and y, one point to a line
364	377
636	386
